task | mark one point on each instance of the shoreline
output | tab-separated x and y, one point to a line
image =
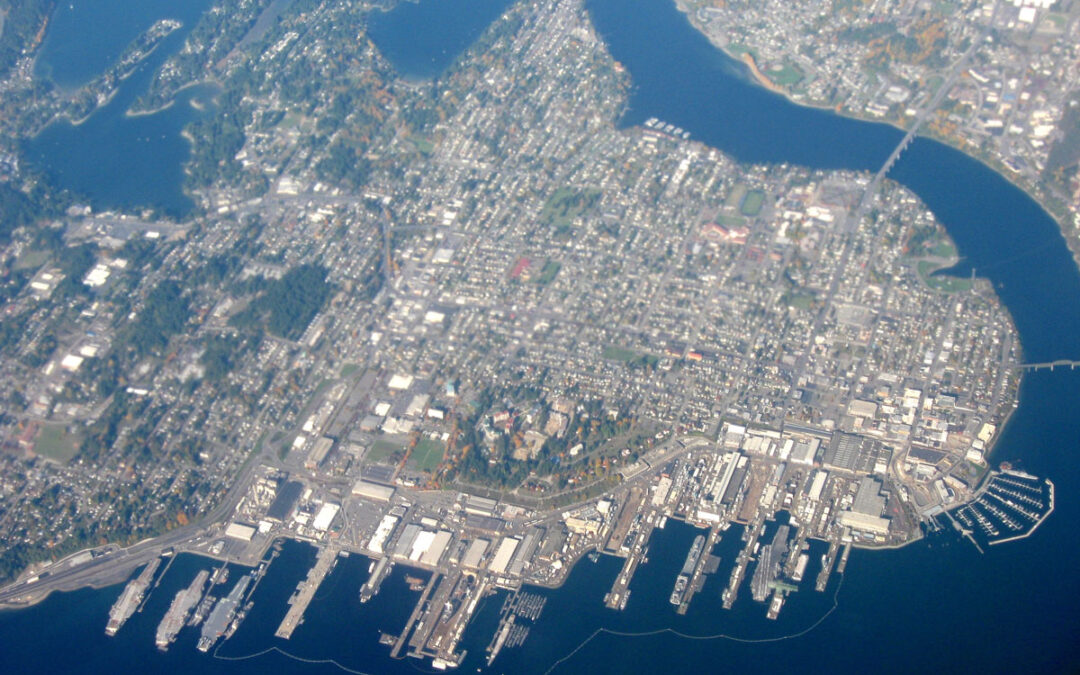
153	111
763	81
132	112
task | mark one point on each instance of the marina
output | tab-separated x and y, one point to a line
1009	506
518	607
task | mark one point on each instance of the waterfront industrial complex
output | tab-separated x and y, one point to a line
464	547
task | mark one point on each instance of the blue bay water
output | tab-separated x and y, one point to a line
936	606
421	39
111	159
85	37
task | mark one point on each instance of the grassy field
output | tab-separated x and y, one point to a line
941	283
348	369
752	203
613	353
786	76
427	455
31	260
799	300
422	144
730	221
735	197
565	204
943	249
383	451
548	273
738	49
56	443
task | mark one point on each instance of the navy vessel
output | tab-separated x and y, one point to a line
687	570
178	611
130	598
769	565
222	615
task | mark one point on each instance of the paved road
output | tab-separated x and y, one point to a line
115	565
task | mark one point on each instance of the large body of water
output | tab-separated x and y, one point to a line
422	38
937	605
112	159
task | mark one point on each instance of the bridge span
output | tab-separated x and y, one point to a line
1049	365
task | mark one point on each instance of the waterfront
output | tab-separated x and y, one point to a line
86	37
422	39
112	159
937	604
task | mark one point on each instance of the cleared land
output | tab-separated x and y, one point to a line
752	203
942	283
383	451
56	443
427	455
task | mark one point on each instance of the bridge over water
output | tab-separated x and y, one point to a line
1049	365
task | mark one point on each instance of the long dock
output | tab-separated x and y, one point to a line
299	602
964	532
697	579
843	558
1049	365
619	593
416	614
434	617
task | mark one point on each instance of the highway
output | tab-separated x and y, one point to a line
114	566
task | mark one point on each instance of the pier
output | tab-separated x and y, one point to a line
1048	365
697	580
518	613
738	573
620	592
374	582
299	602
1037	523
436	615
417	612
844	558
827	561
152	567
964	532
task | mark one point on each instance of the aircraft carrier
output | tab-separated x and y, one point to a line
203	609
130	598
178	611
769	564
222	615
